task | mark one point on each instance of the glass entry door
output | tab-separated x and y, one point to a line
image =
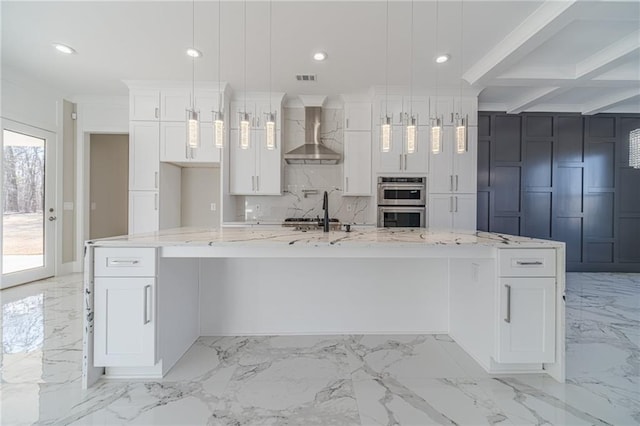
29	216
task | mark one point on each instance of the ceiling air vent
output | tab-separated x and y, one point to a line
306	77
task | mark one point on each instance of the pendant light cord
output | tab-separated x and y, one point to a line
193	59
436	52
461	55
270	76
244	25
219	45
386	60
411	70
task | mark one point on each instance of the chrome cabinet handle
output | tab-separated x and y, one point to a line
456	210
123	262
529	263
147	311
253	183
155	201
450	182
400	161
157	112
450	204
156	179
405	161
507	318
257	183
346	184
451	118
347	123
456	182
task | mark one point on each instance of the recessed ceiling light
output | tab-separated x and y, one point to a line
442	59
319	56
64	48
193	52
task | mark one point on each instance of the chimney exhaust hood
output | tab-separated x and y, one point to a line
312	151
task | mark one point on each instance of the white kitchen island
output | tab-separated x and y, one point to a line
148	297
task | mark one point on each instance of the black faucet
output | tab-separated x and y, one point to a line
325	207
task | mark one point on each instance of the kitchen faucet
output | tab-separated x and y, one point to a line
325	207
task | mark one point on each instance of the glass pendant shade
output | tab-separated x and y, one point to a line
436	137
270	128
244	131
634	149
385	134
412	136
461	135
218	130
193	129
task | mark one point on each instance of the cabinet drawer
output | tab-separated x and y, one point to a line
125	262
527	262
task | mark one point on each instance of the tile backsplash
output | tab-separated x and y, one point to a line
304	184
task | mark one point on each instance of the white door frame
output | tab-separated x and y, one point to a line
52	228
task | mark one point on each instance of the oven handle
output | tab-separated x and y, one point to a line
402	187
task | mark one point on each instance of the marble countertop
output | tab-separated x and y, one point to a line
277	236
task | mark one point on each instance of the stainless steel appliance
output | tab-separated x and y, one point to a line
402	191
402	202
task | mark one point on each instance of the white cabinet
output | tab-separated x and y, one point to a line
174	104
125	322
257	111
397	160
173	144
448	107
453	172
256	170
357	117
144	105
144	155
144	212
526	327
452	211
357	163
401	108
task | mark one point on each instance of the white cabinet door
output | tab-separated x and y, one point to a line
418	162
392	161
440	165
207	101
144	155
357	163
357	116
174	104
419	105
125	322
173	142
469	107
443	107
465	165
144	212
242	167
464	212
144	105
440	211
268	166
526	332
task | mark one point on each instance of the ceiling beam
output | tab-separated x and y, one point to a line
609	100
609	58
541	25
569	82
534	97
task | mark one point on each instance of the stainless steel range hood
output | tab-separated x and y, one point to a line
312	152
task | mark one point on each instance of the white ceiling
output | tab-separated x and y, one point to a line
519	55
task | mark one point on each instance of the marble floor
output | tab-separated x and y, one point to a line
323	380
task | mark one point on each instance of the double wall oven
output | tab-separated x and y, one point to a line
402	202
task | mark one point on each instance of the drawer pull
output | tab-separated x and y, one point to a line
507	319
147	298
123	262
529	263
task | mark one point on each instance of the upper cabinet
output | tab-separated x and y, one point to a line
144	105
257	111
357	117
402	108
173	144
175	102
448	107
143	156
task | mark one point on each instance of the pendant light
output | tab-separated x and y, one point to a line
436	126
270	123
244	138
385	127
193	116
412	128
461	123
634	149
218	116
